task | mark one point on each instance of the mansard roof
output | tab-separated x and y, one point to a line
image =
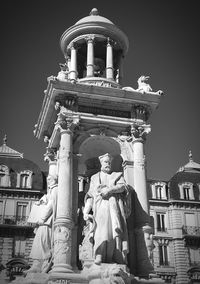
17	164
189	173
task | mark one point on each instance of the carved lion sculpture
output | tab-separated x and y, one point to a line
143	86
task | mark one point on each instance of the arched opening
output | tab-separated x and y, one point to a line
92	148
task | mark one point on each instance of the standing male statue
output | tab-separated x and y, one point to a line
41	251
108	198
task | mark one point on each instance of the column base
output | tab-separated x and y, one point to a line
61	268
65	278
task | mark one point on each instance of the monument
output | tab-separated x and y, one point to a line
95	130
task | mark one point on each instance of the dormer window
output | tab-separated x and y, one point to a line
198	184
159	190
186	191
4	176
24	179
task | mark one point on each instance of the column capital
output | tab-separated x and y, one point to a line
50	155
139	132
73	45
67	120
110	41
90	38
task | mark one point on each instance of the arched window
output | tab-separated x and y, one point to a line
4	176
24	179
186	191
159	190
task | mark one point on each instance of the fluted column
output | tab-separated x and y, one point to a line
90	56
64	223
73	63
109	60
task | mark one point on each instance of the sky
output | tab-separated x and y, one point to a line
163	43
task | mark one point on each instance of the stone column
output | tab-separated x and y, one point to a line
109	60
142	223
139	170
64	223
73	63
90	56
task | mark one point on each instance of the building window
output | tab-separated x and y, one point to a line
1	212
186	191
194	256
21	211
24	179
161	227
159	190
163	255
19	246
4	176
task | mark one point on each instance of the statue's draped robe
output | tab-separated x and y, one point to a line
42	243
110	213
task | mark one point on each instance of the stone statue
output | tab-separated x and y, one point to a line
108	197
143	86
63	73
41	251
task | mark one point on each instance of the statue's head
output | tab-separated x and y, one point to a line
106	162
52	180
143	78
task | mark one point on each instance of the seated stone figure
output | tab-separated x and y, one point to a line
41	251
108	197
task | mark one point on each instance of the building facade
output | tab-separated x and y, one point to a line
21	184
175	211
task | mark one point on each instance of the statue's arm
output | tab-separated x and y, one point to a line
48	209
87	208
108	191
118	187
47	212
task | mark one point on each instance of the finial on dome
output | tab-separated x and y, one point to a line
4	139
190	156
94	12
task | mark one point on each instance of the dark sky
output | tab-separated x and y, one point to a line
164	43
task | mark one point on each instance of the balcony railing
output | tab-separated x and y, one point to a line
191	230
14	220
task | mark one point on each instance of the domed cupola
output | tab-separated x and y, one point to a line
94	48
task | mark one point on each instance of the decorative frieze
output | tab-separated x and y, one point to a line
104	111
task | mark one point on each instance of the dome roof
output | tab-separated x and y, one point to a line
94	17
96	25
